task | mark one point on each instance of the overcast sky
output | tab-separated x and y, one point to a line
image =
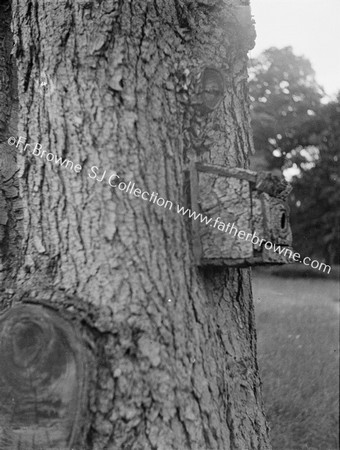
311	27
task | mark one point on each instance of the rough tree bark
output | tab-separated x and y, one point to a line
172	347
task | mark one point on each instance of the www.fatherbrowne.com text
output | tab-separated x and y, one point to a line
131	189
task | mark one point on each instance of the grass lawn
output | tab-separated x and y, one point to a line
298	335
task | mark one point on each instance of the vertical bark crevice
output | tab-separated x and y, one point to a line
11	214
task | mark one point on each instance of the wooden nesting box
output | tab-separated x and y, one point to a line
244	217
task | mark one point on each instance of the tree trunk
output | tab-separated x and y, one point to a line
171	347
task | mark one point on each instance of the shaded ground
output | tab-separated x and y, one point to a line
298	333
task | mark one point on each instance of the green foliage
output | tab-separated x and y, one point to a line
315	200
294	129
284	96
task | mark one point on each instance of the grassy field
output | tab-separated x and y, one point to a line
298	332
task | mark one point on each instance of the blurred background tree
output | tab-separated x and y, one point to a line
298	132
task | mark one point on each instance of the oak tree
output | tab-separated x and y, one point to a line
168	348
